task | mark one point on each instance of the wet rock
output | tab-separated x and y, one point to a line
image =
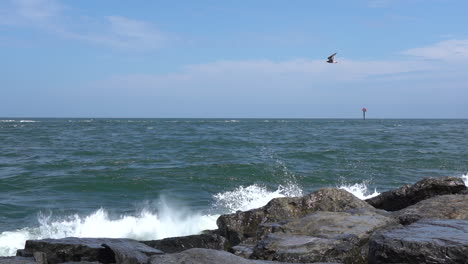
17	260
442	207
205	256
40	257
322	236
245	248
82	262
178	244
104	250
70	249
411	194
242	225
131	251
426	241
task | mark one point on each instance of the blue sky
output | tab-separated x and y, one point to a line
222	59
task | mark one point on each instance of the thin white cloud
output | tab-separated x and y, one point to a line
380	3
295	81
256	78
37	13
113	31
448	50
38	10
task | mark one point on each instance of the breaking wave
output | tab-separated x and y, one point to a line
165	220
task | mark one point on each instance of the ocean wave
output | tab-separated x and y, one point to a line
360	190
170	221
465	178
156	222
253	196
20	121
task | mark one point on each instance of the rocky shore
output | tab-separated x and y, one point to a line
426	222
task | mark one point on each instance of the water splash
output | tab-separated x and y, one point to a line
170	221
465	179
360	190
253	196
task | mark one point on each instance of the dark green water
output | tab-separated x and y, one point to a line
52	170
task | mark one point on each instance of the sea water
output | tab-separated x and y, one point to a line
155	178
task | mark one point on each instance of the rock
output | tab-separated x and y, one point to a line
40	257
17	260
205	256
178	244
23	253
131	251
322	236
426	241
71	249
82	262
245	248
104	250
242	225
442	207
411	194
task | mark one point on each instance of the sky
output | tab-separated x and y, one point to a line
234	59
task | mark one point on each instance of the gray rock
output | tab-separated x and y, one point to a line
40	257
82	262
322	236
411	194
104	250
426	241
442	207
17	260
205	256
71	249
242	225
178	244
131	251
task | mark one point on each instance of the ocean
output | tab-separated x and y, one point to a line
155	178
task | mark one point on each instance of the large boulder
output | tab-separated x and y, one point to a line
321	236
17	260
442	207
104	250
128	251
178	244
205	256
243	225
407	195
426	241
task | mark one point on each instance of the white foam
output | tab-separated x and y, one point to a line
465	178
20	121
360	190
170	221
253	196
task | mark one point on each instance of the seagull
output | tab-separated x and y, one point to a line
331	59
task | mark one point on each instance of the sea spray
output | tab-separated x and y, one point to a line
253	196
360	190
169	221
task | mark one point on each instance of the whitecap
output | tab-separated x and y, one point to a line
360	190
253	196
169	221
465	178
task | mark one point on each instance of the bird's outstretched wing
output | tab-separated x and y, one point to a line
332	56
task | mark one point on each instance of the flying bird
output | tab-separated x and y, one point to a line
331	59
